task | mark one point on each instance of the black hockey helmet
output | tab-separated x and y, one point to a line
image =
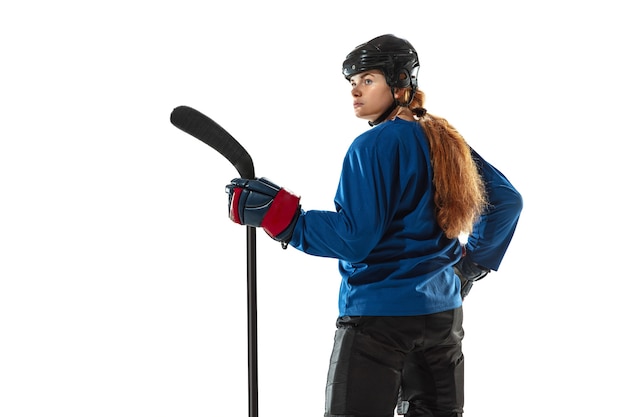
395	57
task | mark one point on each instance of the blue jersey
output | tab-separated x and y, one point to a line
394	259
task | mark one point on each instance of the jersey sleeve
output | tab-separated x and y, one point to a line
364	201
492	234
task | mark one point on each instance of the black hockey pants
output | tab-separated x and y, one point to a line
412	363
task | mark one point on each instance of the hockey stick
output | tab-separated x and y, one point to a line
203	128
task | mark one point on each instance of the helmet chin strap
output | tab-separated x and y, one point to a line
385	114
394	105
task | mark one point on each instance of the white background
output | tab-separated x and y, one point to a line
122	281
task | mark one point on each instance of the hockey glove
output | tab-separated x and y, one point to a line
261	203
469	272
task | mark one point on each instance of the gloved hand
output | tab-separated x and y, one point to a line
469	272
261	203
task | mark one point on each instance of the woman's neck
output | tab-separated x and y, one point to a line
403	113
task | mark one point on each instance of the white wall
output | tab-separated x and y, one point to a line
122	281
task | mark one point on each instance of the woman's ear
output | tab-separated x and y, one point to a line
402	95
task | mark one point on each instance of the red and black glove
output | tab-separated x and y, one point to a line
261	203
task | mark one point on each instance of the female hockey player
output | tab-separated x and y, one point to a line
409	187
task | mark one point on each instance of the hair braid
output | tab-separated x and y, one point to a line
459	196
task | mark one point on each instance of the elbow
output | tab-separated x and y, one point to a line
517	202
357	247
355	251
511	201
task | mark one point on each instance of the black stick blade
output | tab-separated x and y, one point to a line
208	131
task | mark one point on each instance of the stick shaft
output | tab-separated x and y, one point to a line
253	378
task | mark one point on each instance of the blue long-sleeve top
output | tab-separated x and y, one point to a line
394	259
